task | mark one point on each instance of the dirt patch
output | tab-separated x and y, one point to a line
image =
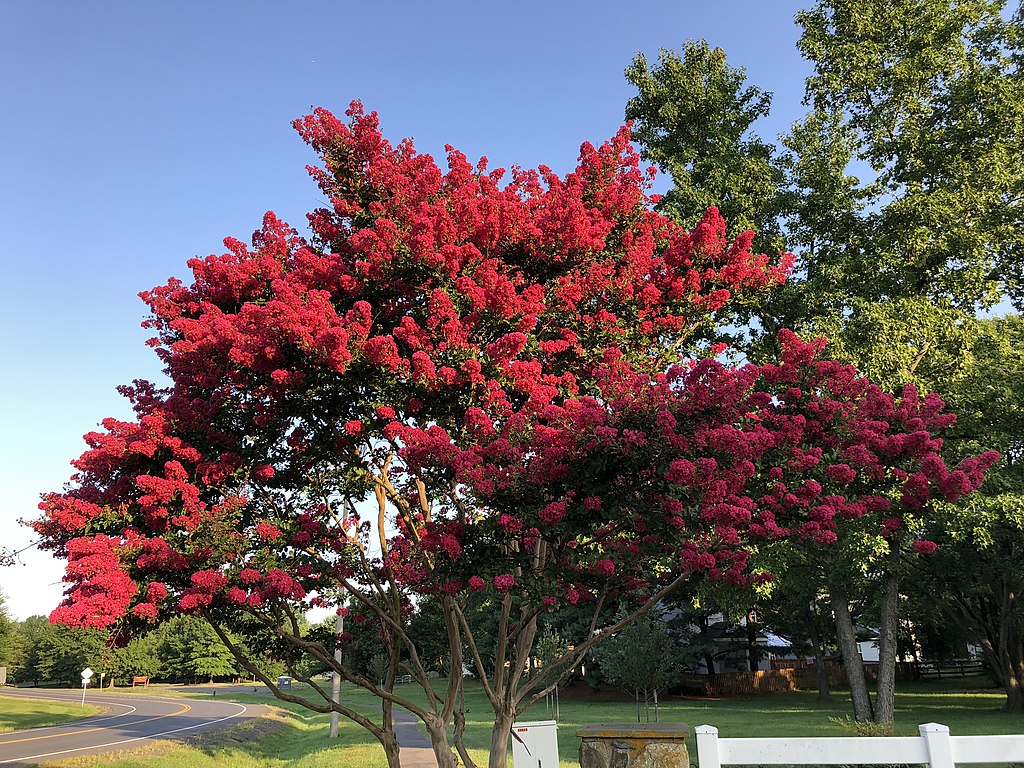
583	692
580	691
243	733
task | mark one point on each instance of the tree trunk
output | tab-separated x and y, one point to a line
1007	661
391	749
1015	695
851	654
499	739
820	666
753	652
437	731
885	692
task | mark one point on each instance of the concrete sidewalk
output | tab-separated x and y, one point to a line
414	748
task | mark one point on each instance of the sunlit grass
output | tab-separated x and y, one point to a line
16	713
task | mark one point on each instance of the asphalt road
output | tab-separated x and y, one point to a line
131	721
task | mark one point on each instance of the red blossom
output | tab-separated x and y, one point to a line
924	547
504	582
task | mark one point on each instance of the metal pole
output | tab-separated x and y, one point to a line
339	628
84	684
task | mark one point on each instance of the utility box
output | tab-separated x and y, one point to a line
535	745
284	683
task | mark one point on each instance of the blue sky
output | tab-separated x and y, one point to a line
137	135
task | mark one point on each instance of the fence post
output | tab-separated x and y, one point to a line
707	747
936	739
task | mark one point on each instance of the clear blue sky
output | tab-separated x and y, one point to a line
137	135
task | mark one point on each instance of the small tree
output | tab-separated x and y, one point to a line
643	659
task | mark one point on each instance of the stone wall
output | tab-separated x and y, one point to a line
644	745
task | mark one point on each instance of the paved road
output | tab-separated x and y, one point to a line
131	721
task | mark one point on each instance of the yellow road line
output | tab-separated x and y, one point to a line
98	728
128	741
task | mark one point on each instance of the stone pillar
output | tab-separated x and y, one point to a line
645	745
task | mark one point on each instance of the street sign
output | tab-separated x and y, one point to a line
86	675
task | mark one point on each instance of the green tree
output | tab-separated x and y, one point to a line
643	659
191	650
694	115
8	636
977	567
139	657
901	201
30	634
65	651
427	625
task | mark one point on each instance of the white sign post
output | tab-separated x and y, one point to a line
86	674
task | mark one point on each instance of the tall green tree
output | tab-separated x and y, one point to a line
900	196
694	115
30	634
65	651
191	650
977	569
8	635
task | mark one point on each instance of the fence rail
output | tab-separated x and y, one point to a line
953	668
934	747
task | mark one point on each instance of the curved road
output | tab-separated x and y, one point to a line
131	721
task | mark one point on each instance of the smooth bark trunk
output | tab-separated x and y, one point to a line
753	652
852	662
437	730
885	692
820	665
391	749
499	740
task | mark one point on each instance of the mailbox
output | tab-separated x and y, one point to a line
535	745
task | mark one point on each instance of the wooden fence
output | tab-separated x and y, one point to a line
793	674
752	683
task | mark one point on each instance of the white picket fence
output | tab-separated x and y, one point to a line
934	747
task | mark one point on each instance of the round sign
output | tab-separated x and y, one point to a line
86	673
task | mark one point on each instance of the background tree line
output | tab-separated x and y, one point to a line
185	650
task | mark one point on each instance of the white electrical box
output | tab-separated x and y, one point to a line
535	745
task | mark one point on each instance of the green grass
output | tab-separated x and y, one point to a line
297	738
16	714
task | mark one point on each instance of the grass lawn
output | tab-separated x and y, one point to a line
16	714
298	738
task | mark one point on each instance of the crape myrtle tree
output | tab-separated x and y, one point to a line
515	378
